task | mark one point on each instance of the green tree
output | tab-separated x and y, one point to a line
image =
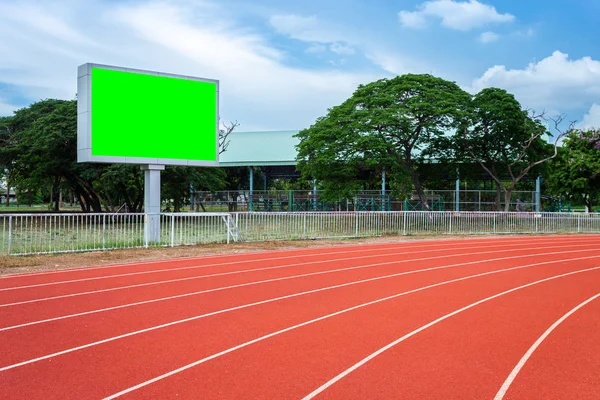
505	140
8	152
389	123
41	151
575	173
177	182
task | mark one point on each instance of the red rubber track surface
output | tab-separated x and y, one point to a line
429	320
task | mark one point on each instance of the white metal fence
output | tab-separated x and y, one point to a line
22	234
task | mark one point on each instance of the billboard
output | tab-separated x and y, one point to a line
142	117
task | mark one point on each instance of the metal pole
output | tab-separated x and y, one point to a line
9	228
265	181
152	201
383	189
457	196
538	194
314	194
192	198
251	188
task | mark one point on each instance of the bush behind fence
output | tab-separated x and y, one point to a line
22	234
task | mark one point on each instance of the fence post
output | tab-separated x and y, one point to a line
304	232
356	223
450	230
578	223
9	234
229	229
173	230
404	223
104	232
457	196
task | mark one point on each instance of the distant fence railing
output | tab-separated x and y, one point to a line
22	234
364	200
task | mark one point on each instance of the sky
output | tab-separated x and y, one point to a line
282	64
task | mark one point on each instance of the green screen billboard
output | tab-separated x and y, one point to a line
142	117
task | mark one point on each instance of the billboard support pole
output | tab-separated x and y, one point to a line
152	202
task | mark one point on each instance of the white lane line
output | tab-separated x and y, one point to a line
153	328
359	247
397	251
288	266
432	323
511	377
365	248
287	278
311	395
243	271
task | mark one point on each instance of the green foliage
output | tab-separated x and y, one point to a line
38	152
575	173
503	139
388	123
177	182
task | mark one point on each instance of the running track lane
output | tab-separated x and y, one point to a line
17	313
262	258
96	327
469	355
65	302
71	365
52	306
248	258
292	364
566	365
61	285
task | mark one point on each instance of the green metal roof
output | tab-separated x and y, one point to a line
266	148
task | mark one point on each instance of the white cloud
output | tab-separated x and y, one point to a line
181	37
458	15
394	63
529	32
555	83
341	49
488	37
413	19
342	42
6	108
307	29
310	29
591	120
316	48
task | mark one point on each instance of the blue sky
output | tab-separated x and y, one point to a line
282	64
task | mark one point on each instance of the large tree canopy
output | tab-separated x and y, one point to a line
575	173
389	123
38	149
505	140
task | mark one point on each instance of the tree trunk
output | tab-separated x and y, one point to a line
507	198
60	199
417	184
588	203
498	197
56	198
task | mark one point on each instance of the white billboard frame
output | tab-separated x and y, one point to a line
84	120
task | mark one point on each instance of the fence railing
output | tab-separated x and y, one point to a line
363	200
22	234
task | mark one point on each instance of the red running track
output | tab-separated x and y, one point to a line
494	318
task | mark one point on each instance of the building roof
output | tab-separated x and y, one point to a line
258	149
